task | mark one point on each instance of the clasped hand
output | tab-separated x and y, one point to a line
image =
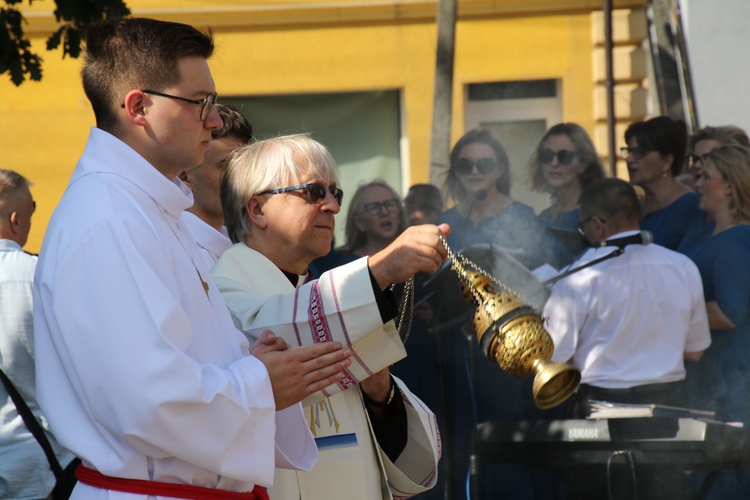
297	372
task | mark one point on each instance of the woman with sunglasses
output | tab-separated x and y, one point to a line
721	381
565	162
655	155
478	183
484	214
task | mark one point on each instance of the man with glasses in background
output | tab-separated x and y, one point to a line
376	439
140	370
205	218
628	323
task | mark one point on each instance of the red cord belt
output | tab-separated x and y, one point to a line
95	478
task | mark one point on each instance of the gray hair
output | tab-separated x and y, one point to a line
725	134
11	184
269	164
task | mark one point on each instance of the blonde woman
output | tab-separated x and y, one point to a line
564	164
702	142
721	381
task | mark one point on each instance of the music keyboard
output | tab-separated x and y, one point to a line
684	441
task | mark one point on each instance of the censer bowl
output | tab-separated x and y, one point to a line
512	334
553	383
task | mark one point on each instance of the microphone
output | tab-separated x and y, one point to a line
640	238
478	196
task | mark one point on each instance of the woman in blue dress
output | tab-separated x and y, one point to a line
721	380
478	183
701	142
565	162
476	389
655	156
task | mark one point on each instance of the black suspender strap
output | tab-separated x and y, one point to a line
32	424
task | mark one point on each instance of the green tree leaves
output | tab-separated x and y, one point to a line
74	16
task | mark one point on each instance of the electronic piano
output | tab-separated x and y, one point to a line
688	442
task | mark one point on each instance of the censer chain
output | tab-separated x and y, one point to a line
406	310
460	263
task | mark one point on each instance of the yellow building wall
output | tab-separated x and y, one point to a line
514	49
305	47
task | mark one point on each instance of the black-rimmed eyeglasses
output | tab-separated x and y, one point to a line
636	152
695	160
207	103
580	226
315	193
388	206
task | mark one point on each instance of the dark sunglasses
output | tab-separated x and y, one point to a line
315	193
564	156
465	166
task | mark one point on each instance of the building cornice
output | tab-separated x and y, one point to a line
330	14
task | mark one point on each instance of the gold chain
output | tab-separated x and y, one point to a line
460	264
406	310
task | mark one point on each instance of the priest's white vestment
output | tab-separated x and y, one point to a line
212	243
339	306
140	371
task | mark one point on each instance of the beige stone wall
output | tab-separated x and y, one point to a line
630	63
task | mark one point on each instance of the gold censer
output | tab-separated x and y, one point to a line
511	333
